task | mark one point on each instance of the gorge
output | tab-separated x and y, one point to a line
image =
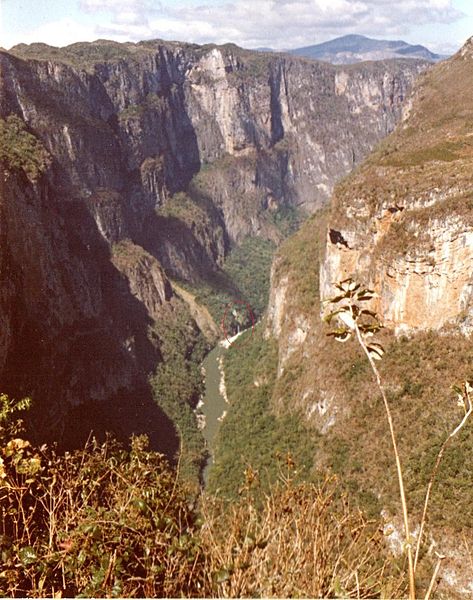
151	161
147	185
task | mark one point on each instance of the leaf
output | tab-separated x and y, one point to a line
346	318
337	299
339	332
353	286
365	295
370	313
328	318
27	555
342	337
376	351
221	575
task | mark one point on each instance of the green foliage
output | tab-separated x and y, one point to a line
248	266
82	55
9	407
251	434
256	66
287	219
447	151
418	373
177	385
299	257
19	149
152	102
100	522
245	276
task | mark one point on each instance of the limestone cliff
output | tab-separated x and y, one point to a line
404	222
129	125
74	336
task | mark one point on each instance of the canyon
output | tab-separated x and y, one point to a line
131	172
156	159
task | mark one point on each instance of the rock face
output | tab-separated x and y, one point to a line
404	222
266	131
74	336
161	156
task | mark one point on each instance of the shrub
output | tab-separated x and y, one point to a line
19	149
99	522
305	541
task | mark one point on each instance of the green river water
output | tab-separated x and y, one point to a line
214	403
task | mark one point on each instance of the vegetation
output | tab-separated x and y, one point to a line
19	149
82	55
248	266
177	385
287	220
297	541
109	522
299	256
251	434
245	276
100	522
358	321
152	102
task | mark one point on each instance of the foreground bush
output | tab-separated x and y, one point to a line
110	522
98	522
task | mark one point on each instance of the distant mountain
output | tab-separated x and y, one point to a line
357	48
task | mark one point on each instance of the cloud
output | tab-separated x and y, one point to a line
275	23
55	33
126	12
283	23
279	24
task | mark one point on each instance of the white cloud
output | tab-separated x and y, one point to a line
132	12
251	23
276	23
283	23
55	33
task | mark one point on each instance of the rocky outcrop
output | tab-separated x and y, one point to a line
266	131
403	224
73	337
148	283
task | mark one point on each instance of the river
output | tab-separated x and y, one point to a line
214	404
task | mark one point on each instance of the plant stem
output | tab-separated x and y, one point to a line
412	588
457	429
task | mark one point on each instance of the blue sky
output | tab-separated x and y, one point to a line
442	25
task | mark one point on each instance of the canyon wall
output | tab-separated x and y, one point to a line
403	224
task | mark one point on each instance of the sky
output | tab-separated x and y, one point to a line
441	25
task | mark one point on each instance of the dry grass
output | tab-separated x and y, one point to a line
106	522
303	541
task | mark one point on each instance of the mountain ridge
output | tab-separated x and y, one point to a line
354	48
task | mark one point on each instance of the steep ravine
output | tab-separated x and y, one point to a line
161	156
